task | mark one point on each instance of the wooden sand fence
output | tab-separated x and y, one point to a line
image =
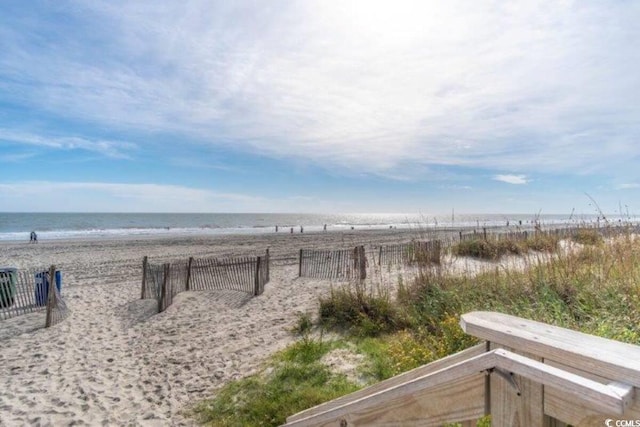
410	253
165	281
342	264
32	291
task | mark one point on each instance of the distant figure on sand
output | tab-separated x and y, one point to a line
276	228
325	227
291	230
301	229
33	237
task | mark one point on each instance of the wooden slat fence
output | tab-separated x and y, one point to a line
236	274
517	236
31	291
333	264
410	253
164	281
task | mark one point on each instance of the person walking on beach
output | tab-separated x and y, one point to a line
33	237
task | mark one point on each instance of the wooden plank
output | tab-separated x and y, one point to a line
515	400
394	384
300	263
188	279
51	296
459	400
391	396
568	409
256	291
612	359
602	397
144	278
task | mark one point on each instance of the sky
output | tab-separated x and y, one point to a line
319	106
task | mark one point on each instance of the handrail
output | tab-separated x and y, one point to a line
394	381
597	375
615	360
609	399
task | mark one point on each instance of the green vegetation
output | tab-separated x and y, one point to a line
360	311
587	236
595	289
295	380
494	249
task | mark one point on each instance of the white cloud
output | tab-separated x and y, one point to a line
628	186
117	197
369	86
116	149
512	179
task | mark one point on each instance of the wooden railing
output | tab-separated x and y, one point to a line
525	373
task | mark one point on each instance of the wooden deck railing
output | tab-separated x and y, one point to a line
526	373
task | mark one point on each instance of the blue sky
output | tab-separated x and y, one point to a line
319	106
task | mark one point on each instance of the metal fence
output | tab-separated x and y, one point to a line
30	291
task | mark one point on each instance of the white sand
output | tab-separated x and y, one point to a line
114	361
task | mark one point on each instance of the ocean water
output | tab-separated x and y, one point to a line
53	226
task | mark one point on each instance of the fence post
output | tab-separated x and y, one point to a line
380	256
460	233
484	232
143	292
163	289
436	251
51	296
188	283
362	260
256	290
300	264
268	258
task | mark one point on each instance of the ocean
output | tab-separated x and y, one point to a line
55	226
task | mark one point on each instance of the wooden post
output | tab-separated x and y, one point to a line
163	289
362	261
256	290
380	256
460	233
268	258
143	293
484	232
300	265
51	297
188	283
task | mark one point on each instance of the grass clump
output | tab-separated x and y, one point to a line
587	236
476	248
360	312
542	243
494	249
296	380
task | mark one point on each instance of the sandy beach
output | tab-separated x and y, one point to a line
114	361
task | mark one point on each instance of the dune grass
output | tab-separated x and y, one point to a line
594	289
